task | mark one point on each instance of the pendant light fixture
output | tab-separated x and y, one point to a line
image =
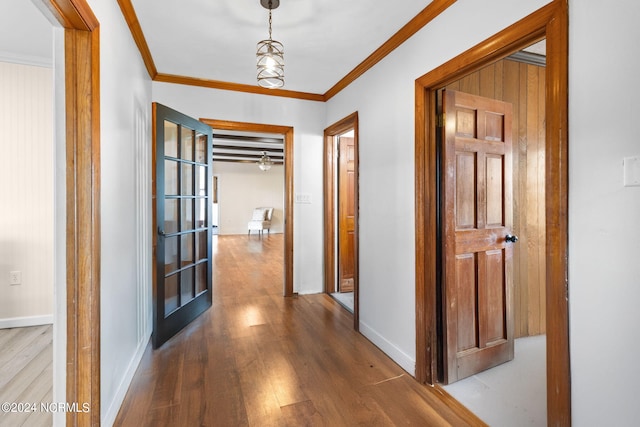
265	162
270	55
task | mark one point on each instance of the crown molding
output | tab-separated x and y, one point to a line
131	18
435	8
35	61
237	87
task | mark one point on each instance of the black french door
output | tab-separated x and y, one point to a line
182	221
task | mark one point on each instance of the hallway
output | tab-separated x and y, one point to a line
258	359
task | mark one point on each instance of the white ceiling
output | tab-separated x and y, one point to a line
216	39
31	43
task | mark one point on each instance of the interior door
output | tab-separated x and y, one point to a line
182	221
346	214
476	238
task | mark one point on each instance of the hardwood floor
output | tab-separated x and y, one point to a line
26	374
259	359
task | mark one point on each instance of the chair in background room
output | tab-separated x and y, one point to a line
261	220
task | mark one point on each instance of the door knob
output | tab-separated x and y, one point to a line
510	238
161	232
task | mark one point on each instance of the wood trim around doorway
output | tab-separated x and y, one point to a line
330	168
82	145
287	131
550	22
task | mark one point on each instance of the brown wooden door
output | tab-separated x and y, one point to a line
346	214
476	191
182	221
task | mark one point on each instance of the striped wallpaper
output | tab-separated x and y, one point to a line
26	193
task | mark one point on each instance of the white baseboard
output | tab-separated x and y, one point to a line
110	415
238	232
21	322
308	291
400	357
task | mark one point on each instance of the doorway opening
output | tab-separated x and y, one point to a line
550	23
29	313
518	83
265	131
341	213
77	377
215	200
248	196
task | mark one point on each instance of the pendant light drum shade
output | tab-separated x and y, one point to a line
265	162
270	62
270	55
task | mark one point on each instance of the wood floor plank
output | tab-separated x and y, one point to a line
31	345
222	387
26	373
258	359
22	379
15	348
279	371
167	390
36	393
7	334
41	418
302	414
260	400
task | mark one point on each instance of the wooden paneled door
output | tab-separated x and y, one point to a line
340	170
477	243
346	213
181	221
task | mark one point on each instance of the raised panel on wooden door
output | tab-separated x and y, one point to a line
466	200
476	195
346	212
492	301
467	294
494	181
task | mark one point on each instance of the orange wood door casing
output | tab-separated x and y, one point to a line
477	197
346	214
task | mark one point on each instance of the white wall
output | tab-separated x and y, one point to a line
26	188
307	119
604	216
604	230
25	34
26	193
244	187
38	43
384	99
125	133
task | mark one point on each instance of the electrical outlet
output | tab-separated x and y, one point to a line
15	277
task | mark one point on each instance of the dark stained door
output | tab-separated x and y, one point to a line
477	216
182	221
346	214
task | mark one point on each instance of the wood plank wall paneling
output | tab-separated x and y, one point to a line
524	86
26	190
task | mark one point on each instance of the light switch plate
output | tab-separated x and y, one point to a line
303	198
631	167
